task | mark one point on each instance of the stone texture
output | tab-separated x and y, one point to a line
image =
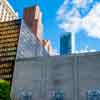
73	74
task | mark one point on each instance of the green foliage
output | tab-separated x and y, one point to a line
4	90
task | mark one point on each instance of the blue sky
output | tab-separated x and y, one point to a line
57	16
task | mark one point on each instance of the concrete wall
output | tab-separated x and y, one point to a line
42	76
88	68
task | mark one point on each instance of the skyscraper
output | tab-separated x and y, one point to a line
20	39
9	35
67	43
6	11
16	42
33	18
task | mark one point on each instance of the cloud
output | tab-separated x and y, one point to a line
85	50
81	3
62	10
72	25
70	21
92	22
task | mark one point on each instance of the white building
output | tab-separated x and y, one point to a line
6	11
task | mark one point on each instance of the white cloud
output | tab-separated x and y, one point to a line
81	3
72	25
92	22
85	50
61	10
72	22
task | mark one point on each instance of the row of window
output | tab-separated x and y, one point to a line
8	54
5	70
7	59
9	31
4	24
9	28
12	44
8	49
5	17
8	40
6	65
6	13
8	36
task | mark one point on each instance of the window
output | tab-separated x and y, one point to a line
26	96
58	95
93	95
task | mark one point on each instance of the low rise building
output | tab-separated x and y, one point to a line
71	77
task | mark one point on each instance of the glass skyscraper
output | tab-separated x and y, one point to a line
66	44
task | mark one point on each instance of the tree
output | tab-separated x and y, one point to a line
4	90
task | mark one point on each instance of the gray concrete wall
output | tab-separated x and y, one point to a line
88	74
42	76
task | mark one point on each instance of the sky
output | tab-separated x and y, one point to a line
80	17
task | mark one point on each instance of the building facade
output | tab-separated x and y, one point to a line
6	11
9	35
33	18
72	77
28	45
67	44
48	47
16	41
